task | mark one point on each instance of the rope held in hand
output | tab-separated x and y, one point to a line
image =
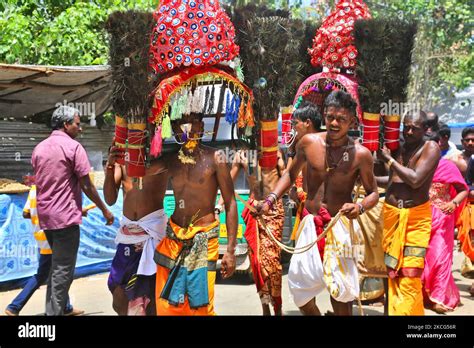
305	248
284	247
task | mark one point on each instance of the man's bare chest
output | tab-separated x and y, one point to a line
192	177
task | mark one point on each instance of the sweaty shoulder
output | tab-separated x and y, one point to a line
217	154
361	150
432	146
311	138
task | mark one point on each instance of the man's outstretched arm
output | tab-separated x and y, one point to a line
113	177
289	177
367	178
90	191
426	165
226	186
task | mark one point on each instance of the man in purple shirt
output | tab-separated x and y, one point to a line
62	169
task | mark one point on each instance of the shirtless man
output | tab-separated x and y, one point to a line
466	166
305	120
196	174
467	142
407	214
432	124
335	161
265	262
142	226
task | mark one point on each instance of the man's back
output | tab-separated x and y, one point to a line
138	203
59	162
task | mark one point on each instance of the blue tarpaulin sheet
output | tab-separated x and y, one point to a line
19	252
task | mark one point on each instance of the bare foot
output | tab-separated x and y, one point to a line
377	304
439	309
471	290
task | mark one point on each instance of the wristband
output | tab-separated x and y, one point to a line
390	162
218	209
361	208
275	197
269	202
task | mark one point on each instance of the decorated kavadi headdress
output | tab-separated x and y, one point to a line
333	49
191	49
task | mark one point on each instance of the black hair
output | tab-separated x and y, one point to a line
432	121
434	137
340	99
444	130
417	115
308	111
466	131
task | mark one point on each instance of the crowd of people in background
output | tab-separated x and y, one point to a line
168	266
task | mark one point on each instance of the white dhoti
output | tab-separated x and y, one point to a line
340	261
305	275
308	276
149	230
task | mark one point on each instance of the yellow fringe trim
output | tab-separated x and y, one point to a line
269	125
137	126
392	118
269	148
120	121
371	117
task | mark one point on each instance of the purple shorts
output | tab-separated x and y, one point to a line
123	273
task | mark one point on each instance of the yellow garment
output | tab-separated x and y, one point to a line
171	248
405	296
465	225
371	225
40	236
406	227
406	237
298	219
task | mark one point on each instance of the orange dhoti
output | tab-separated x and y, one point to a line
265	253
465	228
406	237
186	270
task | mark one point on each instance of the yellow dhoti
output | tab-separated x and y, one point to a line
186	270
371	266
465	226
406	237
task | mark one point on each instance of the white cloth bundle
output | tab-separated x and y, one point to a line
154	224
340	262
305	275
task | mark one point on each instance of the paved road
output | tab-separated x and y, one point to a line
235	296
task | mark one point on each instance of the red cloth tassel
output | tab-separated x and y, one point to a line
268	144
251	237
320	220
156	143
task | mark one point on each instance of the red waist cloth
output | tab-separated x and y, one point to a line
251	237
320	220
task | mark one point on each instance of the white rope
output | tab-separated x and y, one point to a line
286	248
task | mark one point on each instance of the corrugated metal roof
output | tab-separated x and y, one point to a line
18	139
26	90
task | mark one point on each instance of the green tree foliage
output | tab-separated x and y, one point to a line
443	57
71	32
59	32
